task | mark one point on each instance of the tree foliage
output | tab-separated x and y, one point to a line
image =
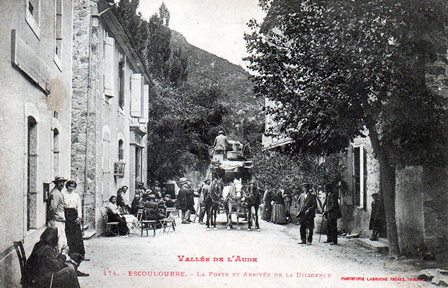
339	68
152	41
183	122
275	170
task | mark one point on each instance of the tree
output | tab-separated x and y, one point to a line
275	170
183	122
133	23
341	68
151	40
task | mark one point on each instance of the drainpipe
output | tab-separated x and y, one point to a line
88	95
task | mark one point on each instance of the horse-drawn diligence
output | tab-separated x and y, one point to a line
232	189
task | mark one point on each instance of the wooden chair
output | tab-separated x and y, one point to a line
109	225
22	259
169	221
145	225
171	211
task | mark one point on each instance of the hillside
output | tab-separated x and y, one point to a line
205	67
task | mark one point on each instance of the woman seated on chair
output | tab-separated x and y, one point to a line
46	267
113	215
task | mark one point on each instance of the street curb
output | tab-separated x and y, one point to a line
380	246
88	235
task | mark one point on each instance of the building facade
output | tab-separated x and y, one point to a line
109	109
272	127
421	194
35	122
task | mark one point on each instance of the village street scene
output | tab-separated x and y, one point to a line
236	143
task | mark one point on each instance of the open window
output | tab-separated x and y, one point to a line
359	176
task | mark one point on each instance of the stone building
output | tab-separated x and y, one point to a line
109	109
35	119
421	194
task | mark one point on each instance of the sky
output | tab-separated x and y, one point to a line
216	26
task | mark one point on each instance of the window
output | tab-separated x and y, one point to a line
359	177
55	152
32	15
121	67
138	164
120	150
31	205
145	101
109	66
136	95
58	32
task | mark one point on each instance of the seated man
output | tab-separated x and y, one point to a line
113	215
46	265
168	201
136	204
152	211
220	146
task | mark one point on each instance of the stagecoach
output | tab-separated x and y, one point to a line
234	170
233	164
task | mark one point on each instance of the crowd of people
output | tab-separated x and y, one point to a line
151	203
56	257
281	207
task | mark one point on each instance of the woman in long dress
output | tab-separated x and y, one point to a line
278	209
47	267
267	208
113	215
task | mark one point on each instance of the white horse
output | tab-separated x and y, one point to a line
232	201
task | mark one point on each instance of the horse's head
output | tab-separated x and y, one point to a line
216	188
252	193
238	188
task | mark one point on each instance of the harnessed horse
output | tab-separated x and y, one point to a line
232	199
253	199
212	200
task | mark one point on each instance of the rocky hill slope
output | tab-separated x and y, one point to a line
205	67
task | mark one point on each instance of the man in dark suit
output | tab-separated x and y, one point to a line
332	213
307	207
182	201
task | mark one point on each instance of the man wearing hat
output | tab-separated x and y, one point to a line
204	191
332	213
220	145
307	207
377	217
56	209
181	203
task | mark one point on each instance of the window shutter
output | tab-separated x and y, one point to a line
145	100
109	66
58	19
136	95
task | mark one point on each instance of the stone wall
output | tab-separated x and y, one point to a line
409	210
435	203
435	179
84	105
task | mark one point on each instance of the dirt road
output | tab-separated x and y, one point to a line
271	257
